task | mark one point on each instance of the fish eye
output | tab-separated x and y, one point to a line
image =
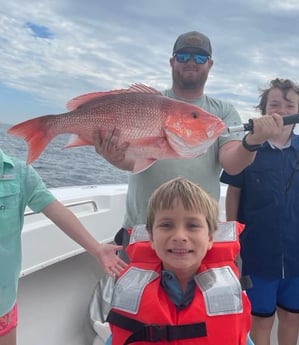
194	114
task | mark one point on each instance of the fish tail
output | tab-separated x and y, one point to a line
36	132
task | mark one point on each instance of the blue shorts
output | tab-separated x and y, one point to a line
266	294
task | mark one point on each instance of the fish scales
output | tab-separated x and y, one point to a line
137	114
155	126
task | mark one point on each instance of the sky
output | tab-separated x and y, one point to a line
54	50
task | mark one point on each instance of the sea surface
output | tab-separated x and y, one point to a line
64	167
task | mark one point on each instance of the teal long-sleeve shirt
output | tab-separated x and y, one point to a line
20	186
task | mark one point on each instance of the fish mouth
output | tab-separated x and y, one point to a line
192	134
188	150
190	143
213	130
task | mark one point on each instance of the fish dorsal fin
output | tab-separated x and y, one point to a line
80	100
143	89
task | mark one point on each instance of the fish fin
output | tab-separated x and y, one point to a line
75	140
143	165
36	133
143	89
78	101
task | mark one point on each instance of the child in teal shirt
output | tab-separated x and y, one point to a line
21	186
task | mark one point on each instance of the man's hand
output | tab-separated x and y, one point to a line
107	145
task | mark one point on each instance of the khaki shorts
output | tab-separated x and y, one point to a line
9	321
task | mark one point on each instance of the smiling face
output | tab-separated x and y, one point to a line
190	75
282	97
282	104
181	220
181	239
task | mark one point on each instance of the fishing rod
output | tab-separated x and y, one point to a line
245	127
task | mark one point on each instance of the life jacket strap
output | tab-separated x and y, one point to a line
153	333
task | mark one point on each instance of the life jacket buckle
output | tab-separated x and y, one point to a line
155	333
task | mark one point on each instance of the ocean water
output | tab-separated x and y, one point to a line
64	167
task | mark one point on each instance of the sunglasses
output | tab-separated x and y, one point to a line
197	58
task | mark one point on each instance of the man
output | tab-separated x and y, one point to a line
191	63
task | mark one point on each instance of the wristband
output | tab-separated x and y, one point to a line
248	147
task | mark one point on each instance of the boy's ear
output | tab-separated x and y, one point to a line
211	241
151	240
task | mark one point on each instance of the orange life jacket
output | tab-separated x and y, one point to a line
218	314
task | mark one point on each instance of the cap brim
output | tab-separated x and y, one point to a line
192	50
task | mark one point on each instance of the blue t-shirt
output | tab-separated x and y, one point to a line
20	186
269	207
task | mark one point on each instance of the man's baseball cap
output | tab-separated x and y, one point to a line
193	40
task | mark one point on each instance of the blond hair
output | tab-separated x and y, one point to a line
193	198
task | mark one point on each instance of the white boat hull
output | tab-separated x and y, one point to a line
53	303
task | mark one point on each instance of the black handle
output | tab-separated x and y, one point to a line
287	120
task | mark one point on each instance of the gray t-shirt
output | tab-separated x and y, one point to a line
203	170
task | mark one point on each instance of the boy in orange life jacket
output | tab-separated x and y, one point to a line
177	288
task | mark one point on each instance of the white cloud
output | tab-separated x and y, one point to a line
101	45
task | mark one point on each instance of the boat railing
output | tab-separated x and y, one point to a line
72	204
101	211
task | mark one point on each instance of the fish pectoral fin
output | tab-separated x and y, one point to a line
143	165
75	140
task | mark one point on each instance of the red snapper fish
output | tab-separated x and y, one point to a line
157	127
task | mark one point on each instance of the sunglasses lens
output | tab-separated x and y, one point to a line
185	57
182	57
200	59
